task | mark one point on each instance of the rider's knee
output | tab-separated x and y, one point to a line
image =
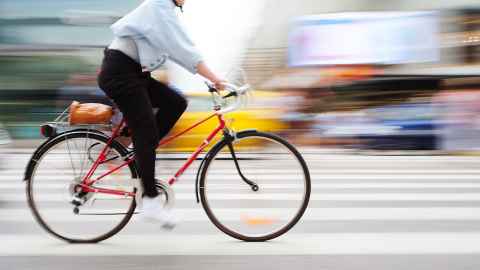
182	104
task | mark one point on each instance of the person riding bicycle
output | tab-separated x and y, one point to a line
144	40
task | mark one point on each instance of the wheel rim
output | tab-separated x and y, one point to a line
50	191
236	208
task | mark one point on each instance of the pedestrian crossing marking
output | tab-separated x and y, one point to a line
164	243
373	188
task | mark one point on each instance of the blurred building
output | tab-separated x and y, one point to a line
268	50
50	52
354	86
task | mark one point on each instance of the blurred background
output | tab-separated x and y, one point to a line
346	75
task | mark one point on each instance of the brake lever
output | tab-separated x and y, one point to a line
211	87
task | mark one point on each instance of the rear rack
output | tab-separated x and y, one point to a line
62	124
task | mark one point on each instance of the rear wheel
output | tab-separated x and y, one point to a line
262	198
55	199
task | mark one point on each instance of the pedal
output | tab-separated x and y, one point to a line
164	189
168	192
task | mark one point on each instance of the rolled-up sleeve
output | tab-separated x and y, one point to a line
169	34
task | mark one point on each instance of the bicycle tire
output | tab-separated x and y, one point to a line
36	159
211	156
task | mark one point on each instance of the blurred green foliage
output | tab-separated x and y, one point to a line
38	72
29	87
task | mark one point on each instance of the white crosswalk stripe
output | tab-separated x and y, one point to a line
301	244
288	197
370	224
347	214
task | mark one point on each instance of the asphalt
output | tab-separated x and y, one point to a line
367	212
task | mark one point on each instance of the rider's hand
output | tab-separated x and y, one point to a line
220	84
180	2
205	71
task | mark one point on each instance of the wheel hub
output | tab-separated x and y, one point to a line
78	196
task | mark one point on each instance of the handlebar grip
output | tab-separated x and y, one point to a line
231	94
211	87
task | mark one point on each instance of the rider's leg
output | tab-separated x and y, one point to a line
122	80
170	102
171	105
138	113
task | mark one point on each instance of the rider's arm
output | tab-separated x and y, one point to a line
169	35
207	73
156	25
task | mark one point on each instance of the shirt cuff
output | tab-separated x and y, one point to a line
195	61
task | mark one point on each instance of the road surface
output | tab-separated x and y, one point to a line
366	212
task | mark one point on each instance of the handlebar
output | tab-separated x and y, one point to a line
233	91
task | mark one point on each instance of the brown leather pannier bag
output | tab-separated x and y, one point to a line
90	113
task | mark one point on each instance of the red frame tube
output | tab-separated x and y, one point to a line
107	191
200	148
173	137
87	184
102	155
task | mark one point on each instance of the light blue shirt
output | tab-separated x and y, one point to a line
159	36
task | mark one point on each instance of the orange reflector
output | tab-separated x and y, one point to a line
257	221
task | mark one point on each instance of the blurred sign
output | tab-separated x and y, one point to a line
89	18
364	38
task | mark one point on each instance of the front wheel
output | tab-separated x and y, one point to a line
254	187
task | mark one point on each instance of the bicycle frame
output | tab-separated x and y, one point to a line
87	182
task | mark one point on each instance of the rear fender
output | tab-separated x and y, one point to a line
36	155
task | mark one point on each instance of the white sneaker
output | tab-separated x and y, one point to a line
154	212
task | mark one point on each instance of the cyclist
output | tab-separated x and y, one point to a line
144	39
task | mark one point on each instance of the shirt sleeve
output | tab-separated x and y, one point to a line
171	35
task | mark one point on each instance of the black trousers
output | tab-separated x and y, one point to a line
136	93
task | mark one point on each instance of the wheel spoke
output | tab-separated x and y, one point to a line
252	214
70	156
63	160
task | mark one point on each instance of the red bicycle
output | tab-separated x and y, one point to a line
83	186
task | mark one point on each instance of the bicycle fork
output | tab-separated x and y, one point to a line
229	138
252	184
